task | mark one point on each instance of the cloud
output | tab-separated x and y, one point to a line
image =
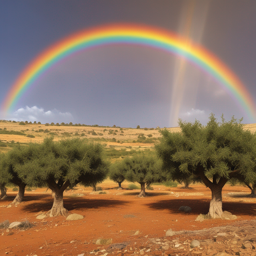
195	114
39	114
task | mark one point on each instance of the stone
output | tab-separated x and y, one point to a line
195	243
41	216
170	232
102	241
4	224
200	218
119	246
75	216
136	233
81	254
14	224
185	209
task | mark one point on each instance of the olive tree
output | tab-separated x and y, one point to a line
9	173
64	164
117	172
144	169
215	153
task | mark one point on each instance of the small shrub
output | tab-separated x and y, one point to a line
24	225
15	189
98	188
22	123
28	189
30	136
149	135
82	134
102	192
133	186
94	133
170	183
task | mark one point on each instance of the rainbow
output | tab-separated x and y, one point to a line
130	34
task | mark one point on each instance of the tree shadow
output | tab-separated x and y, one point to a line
148	194
186	188
202	206
240	195
26	198
73	203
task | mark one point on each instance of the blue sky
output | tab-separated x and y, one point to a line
127	85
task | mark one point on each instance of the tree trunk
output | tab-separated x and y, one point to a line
19	198
94	188
142	192
186	183
58	205
3	192
253	190
215	210
120	185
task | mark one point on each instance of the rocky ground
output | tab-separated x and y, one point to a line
236	239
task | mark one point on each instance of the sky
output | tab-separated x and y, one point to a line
127	85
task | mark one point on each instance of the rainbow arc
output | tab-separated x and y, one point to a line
130	34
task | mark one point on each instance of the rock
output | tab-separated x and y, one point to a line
119	246
41	216
9	206
4	224
82	254
136	233
129	216
202	217
165	247
185	209
228	216
75	216
101	241
169	232
15	224
195	243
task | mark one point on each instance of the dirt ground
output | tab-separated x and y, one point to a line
118	214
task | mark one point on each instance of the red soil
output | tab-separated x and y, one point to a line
117	215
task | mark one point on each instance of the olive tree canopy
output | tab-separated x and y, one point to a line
215	153
65	163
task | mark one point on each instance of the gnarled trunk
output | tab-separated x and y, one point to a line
142	192
19	197
58	205
253	190
215	210
3	192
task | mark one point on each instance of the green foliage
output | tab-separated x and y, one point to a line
138	127
132	186
22	123
117	171
144	168
11	132
170	183
214	153
15	189
30	136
